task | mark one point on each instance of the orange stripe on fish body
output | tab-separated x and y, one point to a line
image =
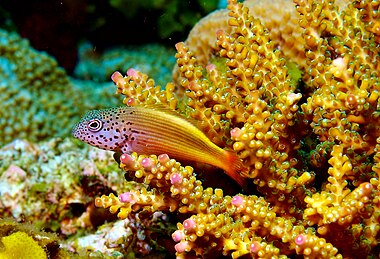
155	130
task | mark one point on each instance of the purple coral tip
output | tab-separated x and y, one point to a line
132	72
210	67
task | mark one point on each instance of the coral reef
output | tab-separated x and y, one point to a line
26	74
130	238
309	135
39	100
53	185
283	28
48	185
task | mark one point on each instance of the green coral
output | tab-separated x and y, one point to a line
38	99
32	88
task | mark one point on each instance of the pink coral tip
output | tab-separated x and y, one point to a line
293	98
147	163
235	132
116	77
210	67
300	240
126	197
339	62
163	158
126	159
254	247
175	178
237	201
182	247
179	46
132	72
178	235
189	224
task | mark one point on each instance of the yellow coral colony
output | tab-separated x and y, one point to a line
312	145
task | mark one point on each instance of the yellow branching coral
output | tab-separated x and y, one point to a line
342	67
282	26
311	146
217	219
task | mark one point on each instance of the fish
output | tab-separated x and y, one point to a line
155	130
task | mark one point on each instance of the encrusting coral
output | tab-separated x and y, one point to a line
38	98
24	240
25	103
311	143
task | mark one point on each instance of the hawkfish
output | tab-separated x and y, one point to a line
155	130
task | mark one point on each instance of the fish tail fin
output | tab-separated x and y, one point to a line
235	169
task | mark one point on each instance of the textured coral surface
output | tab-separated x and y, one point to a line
37	98
291	86
299	105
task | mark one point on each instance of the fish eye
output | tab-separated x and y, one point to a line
95	125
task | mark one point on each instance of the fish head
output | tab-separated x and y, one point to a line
99	128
